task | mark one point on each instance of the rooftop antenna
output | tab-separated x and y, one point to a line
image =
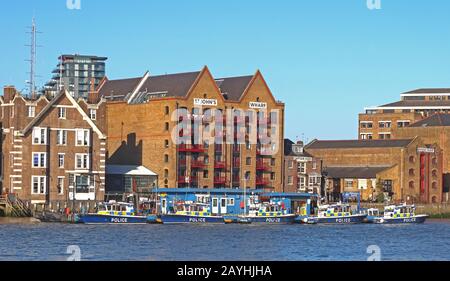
32	60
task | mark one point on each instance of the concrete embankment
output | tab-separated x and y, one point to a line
4	220
434	210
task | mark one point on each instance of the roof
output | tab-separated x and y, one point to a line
333	144
289	152
129	170
118	89
368	172
170	85
233	87
429	91
435	120
418	103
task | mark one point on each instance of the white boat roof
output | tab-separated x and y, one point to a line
129	170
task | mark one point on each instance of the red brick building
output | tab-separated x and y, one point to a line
53	151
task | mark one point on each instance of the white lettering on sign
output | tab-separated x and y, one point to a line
208	102
425	150
257	105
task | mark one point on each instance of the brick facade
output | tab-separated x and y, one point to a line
40	149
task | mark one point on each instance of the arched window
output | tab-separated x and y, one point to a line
434	185
434	161
412	159
412	172
434	199
411	184
434	173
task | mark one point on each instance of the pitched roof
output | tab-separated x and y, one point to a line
332	144
358	172
118	89
289	152
233	87
170	85
418	103
429	91
435	120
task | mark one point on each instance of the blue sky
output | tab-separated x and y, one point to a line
326	59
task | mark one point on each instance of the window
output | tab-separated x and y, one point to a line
167	126
205	174
314	165
62	112
367	136
247	176
39	160
290	164
93	114
82	137
434	173
82	184
302	181
248	161
230	202
384	124
39	136
272	176
166	158
403	123
61	137
411	172
60	185
82	161
412	159
366	124
31	111
434	185
290	180
248	145
166	110
61	157
411	184
166	173
166	143
38	185
302	168
272	162
348	183
384	136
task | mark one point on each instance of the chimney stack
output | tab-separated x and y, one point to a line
8	93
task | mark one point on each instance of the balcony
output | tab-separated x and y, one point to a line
219	165
187	179
262	181
261	166
220	180
196	164
264	151
197	148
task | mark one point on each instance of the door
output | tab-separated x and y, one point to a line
223	206
215	206
164	205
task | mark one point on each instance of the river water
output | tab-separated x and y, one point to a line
53	242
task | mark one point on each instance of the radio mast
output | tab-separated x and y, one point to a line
32	82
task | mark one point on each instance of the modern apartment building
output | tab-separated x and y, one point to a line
53	152
379	122
194	130
302	171
405	169
78	74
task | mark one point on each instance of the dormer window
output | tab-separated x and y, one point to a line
93	114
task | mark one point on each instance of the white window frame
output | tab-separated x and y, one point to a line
63	160
93	114
61	137
302	182
37	135
85	135
62	113
40	180
290	180
77	155
40	154
31	111
62	185
384	124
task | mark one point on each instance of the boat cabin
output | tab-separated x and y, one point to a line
399	211
336	210
116	208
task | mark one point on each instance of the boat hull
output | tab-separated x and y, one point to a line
111	219
415	219
336	220
272	219
167	219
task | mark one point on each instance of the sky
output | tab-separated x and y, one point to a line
325	59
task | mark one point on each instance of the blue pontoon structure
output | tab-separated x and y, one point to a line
213	204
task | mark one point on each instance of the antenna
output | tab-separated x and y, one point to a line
32	60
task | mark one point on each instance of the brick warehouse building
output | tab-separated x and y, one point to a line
408	169
238	114
53	151
381	122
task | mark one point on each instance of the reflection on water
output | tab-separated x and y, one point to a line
429	241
